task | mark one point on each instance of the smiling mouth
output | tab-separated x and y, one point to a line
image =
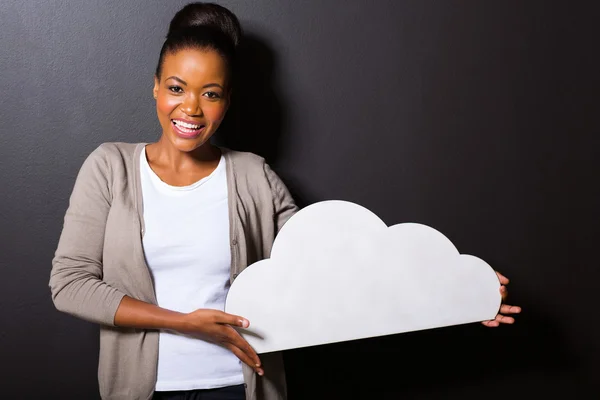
187	130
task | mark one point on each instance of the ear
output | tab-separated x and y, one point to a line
156	85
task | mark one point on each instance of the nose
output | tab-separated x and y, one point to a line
191	106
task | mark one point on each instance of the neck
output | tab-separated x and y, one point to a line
165	154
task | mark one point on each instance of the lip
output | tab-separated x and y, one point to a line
187	135
187	121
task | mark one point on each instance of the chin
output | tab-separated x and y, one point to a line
187	145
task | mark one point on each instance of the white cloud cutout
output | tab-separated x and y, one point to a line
338	273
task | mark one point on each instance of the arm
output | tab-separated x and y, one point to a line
211	325
284	204
76	277
134	313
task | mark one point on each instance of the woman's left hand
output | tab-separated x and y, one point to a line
503	316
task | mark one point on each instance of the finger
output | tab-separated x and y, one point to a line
506	309
491	324
231	319
244	358
238	341
503	319
503	280
503	292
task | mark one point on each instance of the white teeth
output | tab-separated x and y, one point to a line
186	125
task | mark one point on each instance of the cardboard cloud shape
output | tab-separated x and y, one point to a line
337	272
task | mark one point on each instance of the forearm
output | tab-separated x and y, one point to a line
138	314
212	325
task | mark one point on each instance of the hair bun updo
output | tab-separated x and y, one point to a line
203	26
208	15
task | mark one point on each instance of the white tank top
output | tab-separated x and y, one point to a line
186	244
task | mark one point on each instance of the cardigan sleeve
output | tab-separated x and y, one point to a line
76	278
283	202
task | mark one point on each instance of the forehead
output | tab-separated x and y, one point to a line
195	66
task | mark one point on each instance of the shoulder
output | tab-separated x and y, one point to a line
243	158
251	166
110	161
117	150
245	164
115	154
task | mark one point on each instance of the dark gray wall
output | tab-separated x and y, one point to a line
477	118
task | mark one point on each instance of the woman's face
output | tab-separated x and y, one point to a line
191	97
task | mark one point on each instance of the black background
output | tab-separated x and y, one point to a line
476	118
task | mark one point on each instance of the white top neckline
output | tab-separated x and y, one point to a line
170	188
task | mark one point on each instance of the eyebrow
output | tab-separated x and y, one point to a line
203	87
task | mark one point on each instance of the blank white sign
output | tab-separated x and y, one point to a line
337	272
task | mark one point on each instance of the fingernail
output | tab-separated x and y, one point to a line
260	372
245	323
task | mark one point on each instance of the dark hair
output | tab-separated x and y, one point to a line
203	26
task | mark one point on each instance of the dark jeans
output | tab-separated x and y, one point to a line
226	393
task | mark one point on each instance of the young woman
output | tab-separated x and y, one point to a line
155	233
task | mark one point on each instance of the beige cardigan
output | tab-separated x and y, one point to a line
100	259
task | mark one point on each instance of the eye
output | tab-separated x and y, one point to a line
176	89
212	95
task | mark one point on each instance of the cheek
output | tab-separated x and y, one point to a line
165	105
215	112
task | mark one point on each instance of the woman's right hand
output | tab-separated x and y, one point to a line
217	327
211	325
